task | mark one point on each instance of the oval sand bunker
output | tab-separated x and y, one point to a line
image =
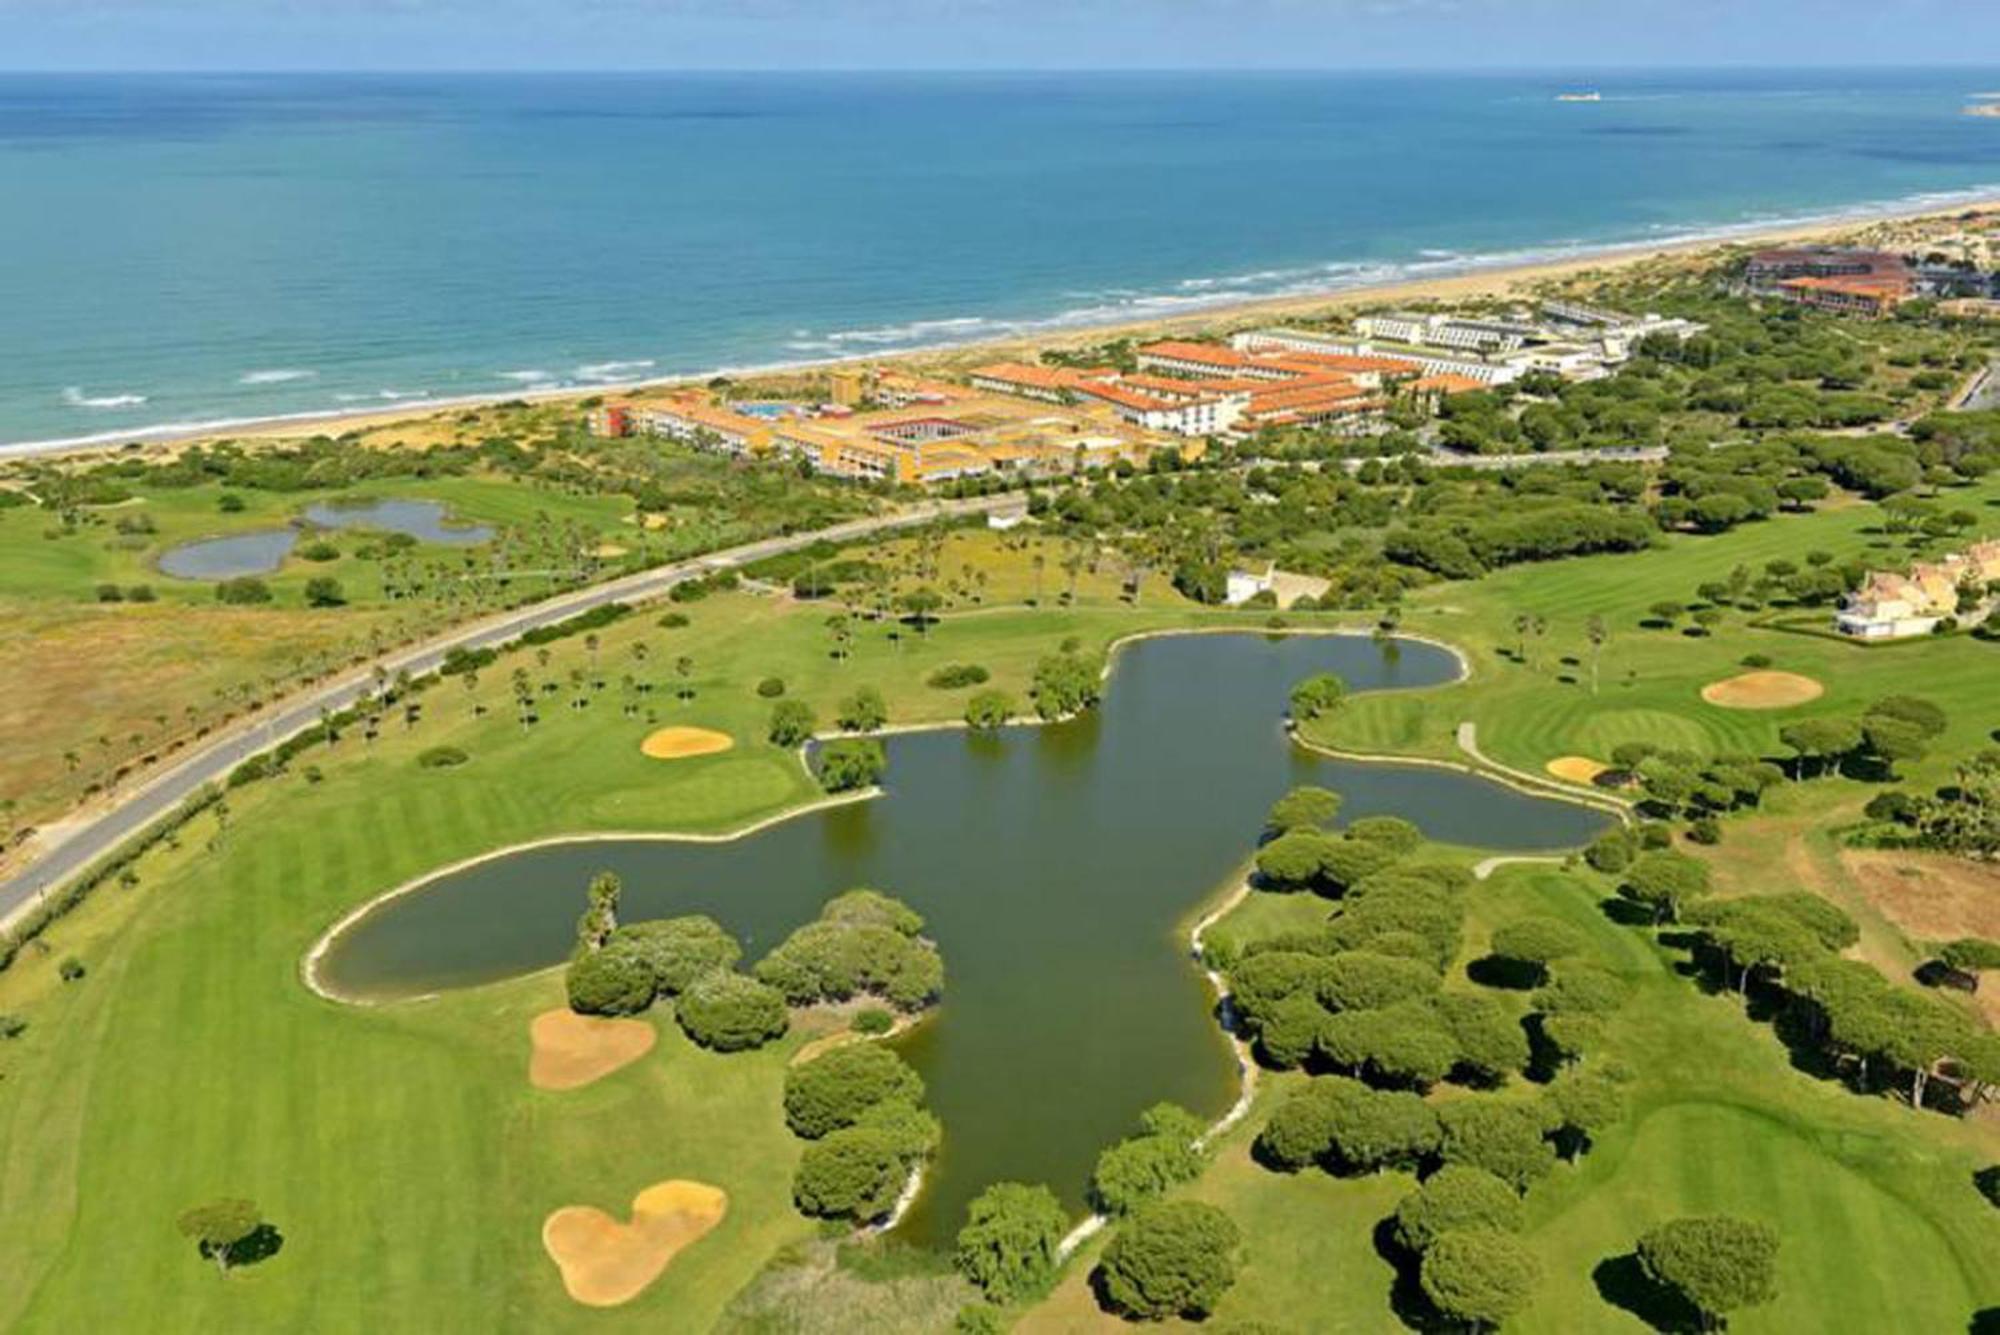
1762	690
680	743
571	1050
1576	769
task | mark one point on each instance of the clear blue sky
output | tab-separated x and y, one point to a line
1013	34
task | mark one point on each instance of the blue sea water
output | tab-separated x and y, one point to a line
178	249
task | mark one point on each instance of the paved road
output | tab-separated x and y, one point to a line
212	760
1982	392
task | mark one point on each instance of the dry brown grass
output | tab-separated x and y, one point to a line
605	1262
678	743
571	1051
72	675
1762	690
1930	896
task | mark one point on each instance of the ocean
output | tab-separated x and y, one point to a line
197	249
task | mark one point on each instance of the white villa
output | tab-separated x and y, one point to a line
1890	606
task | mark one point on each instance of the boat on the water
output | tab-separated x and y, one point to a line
1590	96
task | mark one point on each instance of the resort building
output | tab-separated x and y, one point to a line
1846	282
1873	297
1176	414
702	425
1422	361
1051	384
1891	606
1768	268
1449	331
1210	360
611	420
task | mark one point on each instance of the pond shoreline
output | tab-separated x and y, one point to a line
1195	923
309	966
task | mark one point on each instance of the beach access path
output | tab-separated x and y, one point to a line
98	833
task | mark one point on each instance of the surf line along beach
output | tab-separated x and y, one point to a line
1456	281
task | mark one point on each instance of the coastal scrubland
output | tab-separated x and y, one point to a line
81	583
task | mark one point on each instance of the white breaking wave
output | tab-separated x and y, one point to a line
605	372
281	376
1107	306
526	377
76	398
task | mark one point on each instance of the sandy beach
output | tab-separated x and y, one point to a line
429	418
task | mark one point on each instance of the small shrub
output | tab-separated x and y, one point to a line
251	770
243	591
1755	660
140	593
771	687
110	593
71	969
989	709
320	550
874	1021
957	676
12	1026
442	757
324	591
673	621
229	503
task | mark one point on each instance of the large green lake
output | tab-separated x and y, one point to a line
1054	865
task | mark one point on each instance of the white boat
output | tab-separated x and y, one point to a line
1592	96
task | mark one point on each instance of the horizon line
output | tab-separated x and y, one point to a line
598	71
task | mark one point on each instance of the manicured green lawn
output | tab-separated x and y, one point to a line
1649	680
409	1164
401	1150
1881	1226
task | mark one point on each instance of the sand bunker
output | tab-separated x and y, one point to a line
605	1262
680	743
1762	690
1577	769
571	1050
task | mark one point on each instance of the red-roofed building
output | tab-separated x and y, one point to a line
1211	360
1051	384
1870	296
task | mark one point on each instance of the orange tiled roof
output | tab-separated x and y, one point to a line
1039	377
1128	398
1207	354
1856	286
1448	383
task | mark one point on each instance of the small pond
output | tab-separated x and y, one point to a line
426	521
1053	865
261	552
